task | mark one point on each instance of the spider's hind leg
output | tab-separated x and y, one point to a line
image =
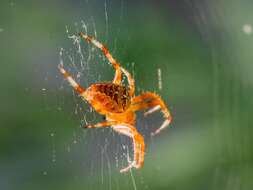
101	124
138	145
115	64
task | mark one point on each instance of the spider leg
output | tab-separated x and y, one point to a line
101	124
130	131
70	79
115	64
138	144
154	101
130	81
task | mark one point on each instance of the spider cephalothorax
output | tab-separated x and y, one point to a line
118	104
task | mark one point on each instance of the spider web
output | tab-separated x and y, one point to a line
100	153
95	156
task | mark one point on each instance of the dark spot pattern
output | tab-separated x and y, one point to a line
118	93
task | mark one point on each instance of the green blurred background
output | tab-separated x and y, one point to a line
204	51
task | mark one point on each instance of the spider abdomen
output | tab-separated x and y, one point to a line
108	97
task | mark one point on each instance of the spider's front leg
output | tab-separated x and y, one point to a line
153	101
70	79
115	64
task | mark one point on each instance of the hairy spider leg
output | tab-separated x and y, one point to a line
130	81
117	77
130	131
70	79
101	124
138	145
154	101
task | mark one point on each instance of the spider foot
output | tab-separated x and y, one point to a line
156	108
88	126
60	65
61	68
85	36
128	167
164	125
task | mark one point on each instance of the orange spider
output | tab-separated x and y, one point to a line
118	103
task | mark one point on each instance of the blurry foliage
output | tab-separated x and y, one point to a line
205	58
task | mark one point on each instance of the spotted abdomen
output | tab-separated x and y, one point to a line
108	97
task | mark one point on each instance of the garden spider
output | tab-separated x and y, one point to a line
118	104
